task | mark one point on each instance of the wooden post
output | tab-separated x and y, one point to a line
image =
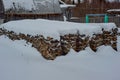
106	19
87	19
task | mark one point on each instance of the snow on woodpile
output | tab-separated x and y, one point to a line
55	38
55	28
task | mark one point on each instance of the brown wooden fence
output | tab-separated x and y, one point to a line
17	16
114	19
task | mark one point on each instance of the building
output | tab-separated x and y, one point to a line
30	9
1	9
67	10
114	12
84	7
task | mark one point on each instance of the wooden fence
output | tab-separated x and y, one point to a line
114	19
17	16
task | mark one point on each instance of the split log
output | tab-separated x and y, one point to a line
51	48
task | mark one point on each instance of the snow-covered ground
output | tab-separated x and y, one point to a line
20	61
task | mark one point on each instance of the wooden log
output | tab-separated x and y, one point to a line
50	48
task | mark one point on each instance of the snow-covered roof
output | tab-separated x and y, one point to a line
64	5
113	10
113	0
67	6
37	6
76	1
90	1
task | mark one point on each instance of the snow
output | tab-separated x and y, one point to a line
54	29
76	1
9	3
19	61
112	0
66	6
113	10
118	29
39	6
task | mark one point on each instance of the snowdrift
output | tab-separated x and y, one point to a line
19	61
55	38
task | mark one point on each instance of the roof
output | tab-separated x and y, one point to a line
67	6
113	0
63	5
32	6
113	10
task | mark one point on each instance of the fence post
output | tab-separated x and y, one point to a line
87	19
106	19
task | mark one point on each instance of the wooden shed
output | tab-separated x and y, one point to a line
114	12
1	9
30	9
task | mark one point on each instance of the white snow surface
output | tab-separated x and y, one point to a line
19	61
49	28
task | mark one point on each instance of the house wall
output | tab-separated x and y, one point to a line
1	9
45	9
32	6
15	16
93	7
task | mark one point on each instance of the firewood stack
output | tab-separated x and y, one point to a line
51	48
65	45
114	38
106	38
96	41
110	38
12	35
75	41
1	32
